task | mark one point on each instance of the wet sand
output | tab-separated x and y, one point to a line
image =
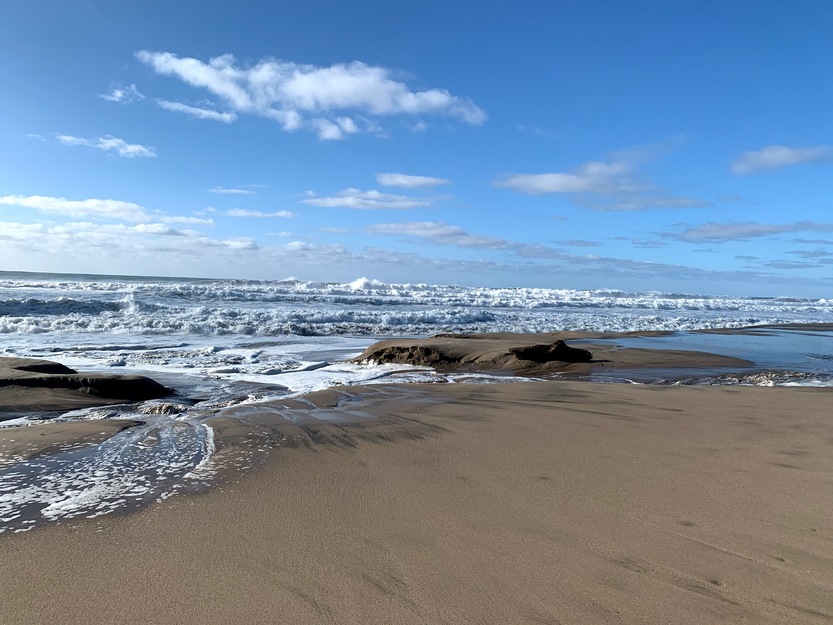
25	442
549	502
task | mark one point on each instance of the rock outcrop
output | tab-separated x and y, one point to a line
448	352
536	354
548	352
33	384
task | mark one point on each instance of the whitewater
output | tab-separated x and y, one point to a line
225	344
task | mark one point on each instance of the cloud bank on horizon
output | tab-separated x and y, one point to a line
264	153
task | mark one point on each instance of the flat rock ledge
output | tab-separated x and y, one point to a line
453	352
34	384
535	354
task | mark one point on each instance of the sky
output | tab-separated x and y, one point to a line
681	146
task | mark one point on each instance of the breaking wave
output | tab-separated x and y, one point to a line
368	307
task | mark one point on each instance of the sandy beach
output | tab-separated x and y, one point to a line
548	502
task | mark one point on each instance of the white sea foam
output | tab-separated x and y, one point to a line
365	307
142	464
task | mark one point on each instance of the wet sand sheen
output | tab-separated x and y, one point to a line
513	503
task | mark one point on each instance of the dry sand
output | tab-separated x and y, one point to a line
551	502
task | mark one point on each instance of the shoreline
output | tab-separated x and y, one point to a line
530	501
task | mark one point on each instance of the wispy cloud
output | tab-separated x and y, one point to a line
536	131
814	241
240	212
610	185
563	263
333	100
232	191
714	232
579	243
777	156
82	245
123	95
812	253
195	111
441	233
109	143
89	208
407	181
367	200
177	219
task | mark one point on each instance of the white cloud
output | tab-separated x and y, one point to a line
158	229
175	219
409	182
195	111
334	130
240	212
96	208
225	191
144	247
356	198
602	185
300	95
592	177
109	143
240	243
777	156
99	209
121	94
714	232
35	136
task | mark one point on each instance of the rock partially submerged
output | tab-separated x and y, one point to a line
447	352
33	384
535	354
559	351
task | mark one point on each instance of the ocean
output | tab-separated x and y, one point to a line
243	342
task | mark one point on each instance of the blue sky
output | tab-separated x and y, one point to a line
645	145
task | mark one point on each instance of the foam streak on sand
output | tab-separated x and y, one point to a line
138	465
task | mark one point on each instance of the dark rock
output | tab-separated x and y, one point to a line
43	366
420	355
28	383
548	352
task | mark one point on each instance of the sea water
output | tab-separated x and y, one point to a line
224	343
